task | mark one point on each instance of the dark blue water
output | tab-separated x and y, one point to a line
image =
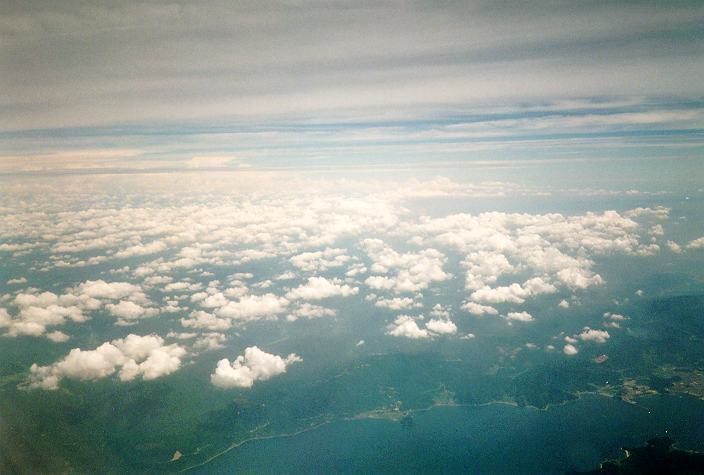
496	438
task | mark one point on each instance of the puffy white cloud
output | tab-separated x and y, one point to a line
519	317
318	288
554	247
356	270
659	212
538	286
613	320
213	301
578	278
17	281
58	337
181	335
153	247
182	286
406	326
485	268
674	247
134	356
128	312
410	272
5	318
513	293
563	304
254	365
99	289
395	303
478	309
597	336
615	316
696	243
253	307
441	326
37	312
439	311
205	320
239	289
310	311
210	341
656	230
320	260
199	296
569	349
42	300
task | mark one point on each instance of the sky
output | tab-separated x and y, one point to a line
211	85
249	199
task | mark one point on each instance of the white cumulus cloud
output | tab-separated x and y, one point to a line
254	365
133	356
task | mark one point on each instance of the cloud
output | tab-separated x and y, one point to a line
20	280
406	326
395	303
215	300
320	260
513	293
99	289
674	247
613	320
553	247
505	56
134	356
597	336
570	350
696	243
58	337
310	311
478	309
441	326
208	161
210	341
253	307
537	286
205	320
129	312
37	312
318	288
153	247
5	318
254	365
410	272
440	311
659	212
576	278
485	268
519	317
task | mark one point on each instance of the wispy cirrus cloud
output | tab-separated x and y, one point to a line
272	83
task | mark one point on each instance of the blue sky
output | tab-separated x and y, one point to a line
161	85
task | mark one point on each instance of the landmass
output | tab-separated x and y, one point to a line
658	456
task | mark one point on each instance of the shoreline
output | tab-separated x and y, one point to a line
391	415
